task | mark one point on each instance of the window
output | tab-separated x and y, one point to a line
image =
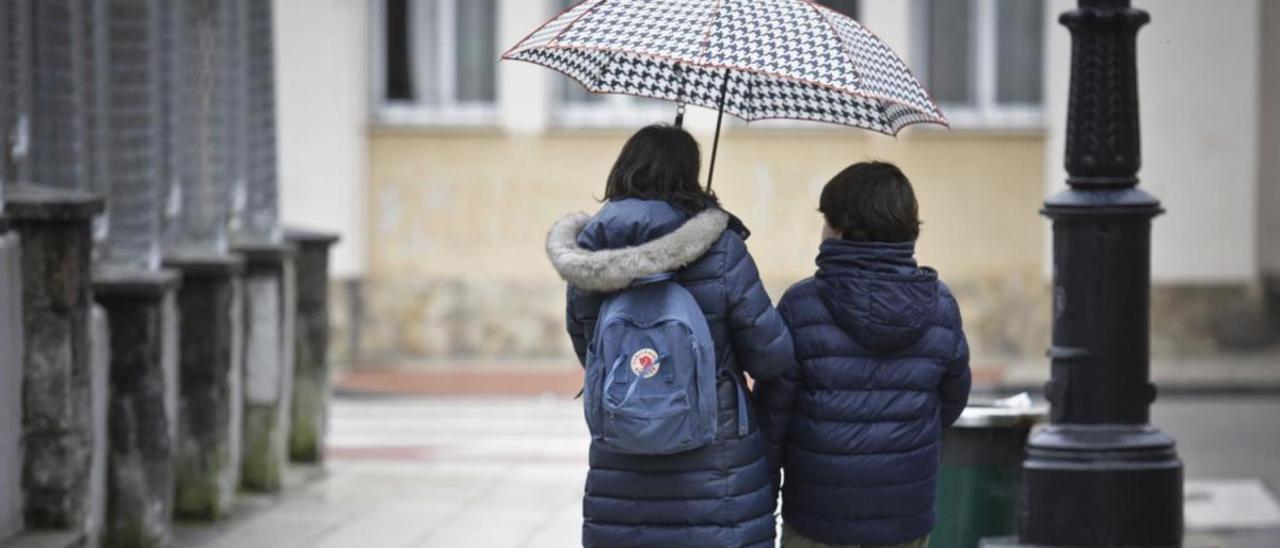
847	7
435	62
981	60
577	107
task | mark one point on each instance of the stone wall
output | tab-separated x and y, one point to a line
1006	319
457	267
10	384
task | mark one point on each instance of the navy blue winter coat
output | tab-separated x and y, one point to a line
884	366
720	495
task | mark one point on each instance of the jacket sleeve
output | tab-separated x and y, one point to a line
953	389
576	326
763	347
760	339
774	401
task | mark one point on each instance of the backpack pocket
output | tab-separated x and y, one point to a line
654	424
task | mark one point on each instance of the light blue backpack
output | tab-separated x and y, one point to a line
650	384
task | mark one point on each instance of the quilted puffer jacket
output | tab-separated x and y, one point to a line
720	495
884	366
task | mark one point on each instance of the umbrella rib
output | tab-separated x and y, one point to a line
857	69
781	75
706	32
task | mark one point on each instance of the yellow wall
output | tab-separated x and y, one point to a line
477	206
456	265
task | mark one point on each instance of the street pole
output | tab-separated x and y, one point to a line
1100	474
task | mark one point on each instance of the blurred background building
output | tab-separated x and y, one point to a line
443	170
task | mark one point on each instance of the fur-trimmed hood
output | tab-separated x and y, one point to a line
608	270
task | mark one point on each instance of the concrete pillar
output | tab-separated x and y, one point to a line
128	142
100	386
10	318
142	312
57	392
1269	161
268	364
210	408
10	384
202	93
310	406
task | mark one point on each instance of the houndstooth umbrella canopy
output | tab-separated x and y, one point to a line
766	59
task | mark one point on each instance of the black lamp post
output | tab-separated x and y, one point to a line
1099	474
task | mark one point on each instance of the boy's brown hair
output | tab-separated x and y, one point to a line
871	202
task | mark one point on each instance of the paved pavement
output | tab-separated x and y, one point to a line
508	471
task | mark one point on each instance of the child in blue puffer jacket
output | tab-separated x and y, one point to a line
884	367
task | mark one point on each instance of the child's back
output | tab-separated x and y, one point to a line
884	368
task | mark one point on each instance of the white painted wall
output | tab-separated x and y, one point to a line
322	52
524	89
1198	82
891	21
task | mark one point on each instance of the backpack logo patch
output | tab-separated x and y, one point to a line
644	363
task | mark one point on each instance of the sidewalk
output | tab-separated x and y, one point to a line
482	472
508	472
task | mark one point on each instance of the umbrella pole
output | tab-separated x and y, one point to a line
715	145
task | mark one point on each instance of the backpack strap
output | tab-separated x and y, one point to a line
653	279
608	381
742	406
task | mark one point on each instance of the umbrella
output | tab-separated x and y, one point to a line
755	59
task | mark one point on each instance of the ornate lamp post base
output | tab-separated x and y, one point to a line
1100	474
1103	485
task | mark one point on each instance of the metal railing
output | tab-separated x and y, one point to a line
165	107
6	98
200	82
129	129
261	207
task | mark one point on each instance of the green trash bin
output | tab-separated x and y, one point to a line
981	466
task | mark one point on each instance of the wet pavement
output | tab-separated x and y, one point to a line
508	472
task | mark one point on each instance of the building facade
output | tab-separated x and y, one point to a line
443	168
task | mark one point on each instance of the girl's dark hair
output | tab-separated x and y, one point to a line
660	162
871	202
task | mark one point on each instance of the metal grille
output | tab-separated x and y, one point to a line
200	138
170	17
6	98
260	220
17	136
94	56
237	55
133	149
57	96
